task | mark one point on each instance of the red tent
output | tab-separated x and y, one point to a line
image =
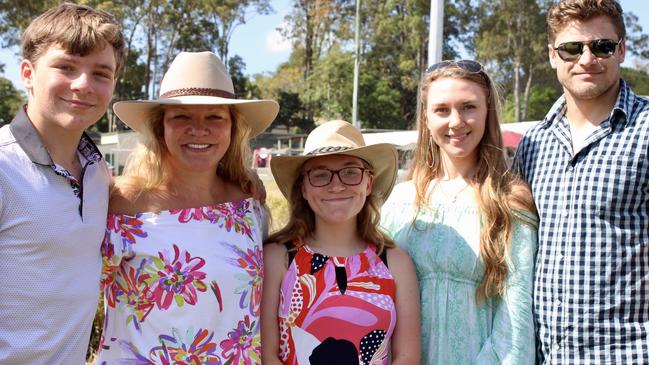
511	139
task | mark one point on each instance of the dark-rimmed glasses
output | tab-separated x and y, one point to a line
601	48
466	65
319	176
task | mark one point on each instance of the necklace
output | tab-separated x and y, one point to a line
451	197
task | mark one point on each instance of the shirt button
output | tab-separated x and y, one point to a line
566	213
557	303
559	256
557	347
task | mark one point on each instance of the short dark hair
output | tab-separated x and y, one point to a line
566	11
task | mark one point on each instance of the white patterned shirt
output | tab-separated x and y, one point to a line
51	228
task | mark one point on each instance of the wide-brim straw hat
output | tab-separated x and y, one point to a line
338	137
198	78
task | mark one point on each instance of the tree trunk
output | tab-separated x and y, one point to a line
526	96
517	92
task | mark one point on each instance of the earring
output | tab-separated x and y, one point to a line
430	157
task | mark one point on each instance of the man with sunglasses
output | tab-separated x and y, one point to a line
588	165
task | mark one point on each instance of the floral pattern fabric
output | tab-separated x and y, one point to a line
443	242
336	310
183	286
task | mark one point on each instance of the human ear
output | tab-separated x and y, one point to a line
27	74
552	56
370	184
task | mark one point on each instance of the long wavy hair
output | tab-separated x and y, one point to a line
493	181
147	167
301	222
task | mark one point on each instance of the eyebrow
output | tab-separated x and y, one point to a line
74	58
346	164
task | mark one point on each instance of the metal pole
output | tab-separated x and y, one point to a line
357	63
435	31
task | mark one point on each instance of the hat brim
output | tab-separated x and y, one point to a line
259	114
382	156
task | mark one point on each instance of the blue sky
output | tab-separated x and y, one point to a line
262	48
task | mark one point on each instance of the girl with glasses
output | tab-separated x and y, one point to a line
336	291
469	225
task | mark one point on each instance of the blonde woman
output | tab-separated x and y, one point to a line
468	224
336	290
182	253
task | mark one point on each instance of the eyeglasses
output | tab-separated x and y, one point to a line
601	48
320	177
466	65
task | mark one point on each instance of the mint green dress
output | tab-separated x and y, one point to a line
444	245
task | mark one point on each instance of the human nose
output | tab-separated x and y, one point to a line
587	57
455	119
336	184
197	127
81	82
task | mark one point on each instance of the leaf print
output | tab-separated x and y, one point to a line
194	348
127	227
188	214
217	293
251	261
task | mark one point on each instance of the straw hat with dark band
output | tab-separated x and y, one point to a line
198	78
339	138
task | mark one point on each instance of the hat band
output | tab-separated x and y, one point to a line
328	149
198	91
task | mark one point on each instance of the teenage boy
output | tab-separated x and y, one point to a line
54	187
588	166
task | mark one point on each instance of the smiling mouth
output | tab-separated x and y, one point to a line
458	136
79	103
198	146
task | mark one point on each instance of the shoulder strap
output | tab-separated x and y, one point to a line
384	256
290	250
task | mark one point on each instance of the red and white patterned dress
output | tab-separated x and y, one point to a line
336	310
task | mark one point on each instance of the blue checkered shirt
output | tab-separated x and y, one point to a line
591	287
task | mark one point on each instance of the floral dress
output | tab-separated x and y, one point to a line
336	310
443	242
183	286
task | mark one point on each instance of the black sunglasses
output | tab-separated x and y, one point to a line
601	48
466	65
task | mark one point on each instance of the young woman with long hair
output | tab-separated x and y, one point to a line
468	223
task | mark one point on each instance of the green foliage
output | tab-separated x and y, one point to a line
637	80
10	100
540	101
292	113
332	85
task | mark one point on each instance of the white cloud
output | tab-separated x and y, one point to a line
276	43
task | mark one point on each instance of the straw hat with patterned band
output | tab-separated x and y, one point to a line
198	78
338	137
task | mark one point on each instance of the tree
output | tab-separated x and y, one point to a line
637	80
511	36
10	100
314	27
292	114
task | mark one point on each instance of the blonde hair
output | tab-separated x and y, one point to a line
301	222
146	167
495	184
78	29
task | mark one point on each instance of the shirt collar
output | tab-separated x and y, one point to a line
30	141
619	113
